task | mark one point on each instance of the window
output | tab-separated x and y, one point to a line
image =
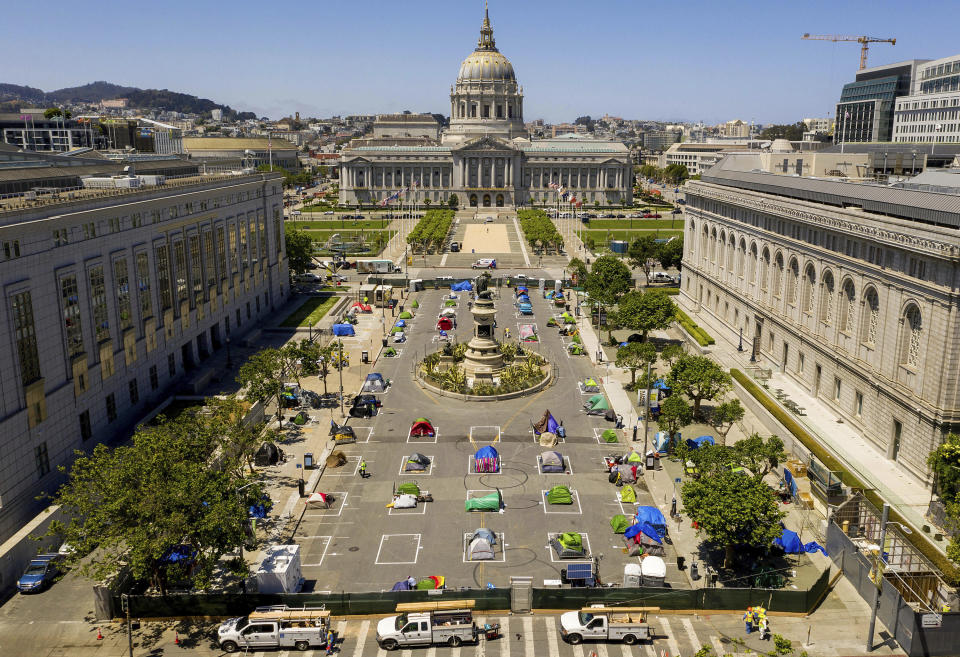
826	299
261	222
208	259
793	286
154	378
809	283
910	340
276	230
42	459
221	255
143	285
172	365
163	277
836	389
196	275
134	391
778	276
70	305
98	300
86	431
111	402
180	263
858	404
26	337
847	307
800	362
248	310
121	279
871	309
61	237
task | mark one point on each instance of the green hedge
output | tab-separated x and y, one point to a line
703	338
672	291
949	570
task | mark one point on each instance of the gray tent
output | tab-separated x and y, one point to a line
488	534
480	550
627	473
416	463
551	462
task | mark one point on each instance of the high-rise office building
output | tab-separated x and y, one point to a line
931	113
865	110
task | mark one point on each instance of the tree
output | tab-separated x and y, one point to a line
791	132
239	439
635	355
645	311
324	171
608	280
675	414
699	378
733	510
454	202
299	359
758	455
56	111
299	246
725	416
671	253
671	353
263	377
643	252
136	503
578	271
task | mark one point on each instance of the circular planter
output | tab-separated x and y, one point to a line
547	380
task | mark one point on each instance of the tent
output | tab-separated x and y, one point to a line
628	472
700	442
653	570
548	294
422	427
416	463
336	459
404	501
597	403
546	423
559	495
609	436
319	500
488	534
575	349
408	488
789	541
415	304
400	323
268	454
362	307
568	318
343	329
462	286
389	352
490	502
444	324
342	433
406	314
568	545
448	312
480	550
301	418
450	303
523	298
551	462
430	583
661	441
652	516
551	321
643	529
548	439
522	289
619	523
374	383
396	330
528	333
402	585
590	385
628	494
633	457
486	460
524	308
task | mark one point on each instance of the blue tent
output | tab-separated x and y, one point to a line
789	541
178	553
486	460
486	452
522	289
402	585
523	298
788	480
401	323
660	384
462	286
374	383
552	425
645	528
702	441
343	329
661	442
653	517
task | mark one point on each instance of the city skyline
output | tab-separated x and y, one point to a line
742	60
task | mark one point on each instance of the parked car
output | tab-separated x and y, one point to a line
454	247
40	573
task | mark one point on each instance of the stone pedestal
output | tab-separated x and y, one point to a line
483	361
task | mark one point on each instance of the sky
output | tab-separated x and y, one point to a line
671	61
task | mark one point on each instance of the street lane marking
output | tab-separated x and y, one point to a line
552	635
529	645
361	638
507	638
718	646
694	641
671	640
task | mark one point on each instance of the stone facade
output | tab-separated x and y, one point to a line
859	308
110	301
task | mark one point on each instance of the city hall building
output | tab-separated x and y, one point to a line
113	297
850	289
486	157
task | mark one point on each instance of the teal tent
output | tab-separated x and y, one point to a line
491	502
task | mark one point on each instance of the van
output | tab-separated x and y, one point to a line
454	247
661	277
485	263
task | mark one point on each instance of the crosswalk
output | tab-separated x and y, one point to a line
530	636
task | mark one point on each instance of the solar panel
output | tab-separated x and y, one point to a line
580	571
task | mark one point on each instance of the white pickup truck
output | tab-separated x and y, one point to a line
276	627
627	624
424	626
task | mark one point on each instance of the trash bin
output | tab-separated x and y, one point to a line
681	561
650	462
308	461
567	306
364	357
300	486
694	571
384	341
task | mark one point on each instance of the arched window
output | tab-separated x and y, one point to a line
716	246
764	269
912	332
741	254
705	243
720	245
809	282
731	248
793	285
826	298
752	264
778	276
871	318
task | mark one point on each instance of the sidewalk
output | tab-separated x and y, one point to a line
898	487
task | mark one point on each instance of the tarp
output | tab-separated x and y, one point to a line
362	307
522	288
660	384
609	436
491	502
523	298
444	324
462	286
628	473
422	427
485	533
400	324
546	423
480	550
628	494
374	383
551	462
448	312
597	403
486	460
652	515
406	314
591	385
700	442
789	481
528	333
548	439
575	349
619	523
660	442
408	488
559	495
405	501
525	308
343	329
789	541
644	528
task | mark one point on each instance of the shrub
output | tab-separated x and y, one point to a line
703	338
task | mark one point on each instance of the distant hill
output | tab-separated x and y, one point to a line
94	92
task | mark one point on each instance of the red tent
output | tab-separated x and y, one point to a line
363	307
422	427
444	324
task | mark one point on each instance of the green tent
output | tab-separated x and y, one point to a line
609	436
576	339
559	495
597	403
396	329
619	523
634	458
571	541
406	314
491	502
575	349
552	321
409	488
389	351
627	494
450	303
568	318
415	304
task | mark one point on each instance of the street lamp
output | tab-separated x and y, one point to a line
740	346
876	594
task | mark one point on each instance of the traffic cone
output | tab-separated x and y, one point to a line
176	638
99	635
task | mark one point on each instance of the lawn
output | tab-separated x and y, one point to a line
338	224
632	224
602	236
310	311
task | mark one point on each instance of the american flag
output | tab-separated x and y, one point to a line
573	198
554	185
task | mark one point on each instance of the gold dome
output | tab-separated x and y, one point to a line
486	65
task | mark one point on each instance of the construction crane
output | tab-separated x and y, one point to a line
864	42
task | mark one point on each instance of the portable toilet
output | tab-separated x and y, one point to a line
618	246
632	576
654	571
540	285
416	285
557	285
279	572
